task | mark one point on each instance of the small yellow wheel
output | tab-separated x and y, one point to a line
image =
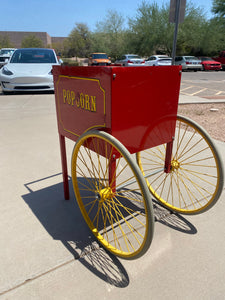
196	177
112	194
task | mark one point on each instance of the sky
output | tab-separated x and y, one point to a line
58	18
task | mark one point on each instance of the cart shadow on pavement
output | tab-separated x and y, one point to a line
64	222
172	219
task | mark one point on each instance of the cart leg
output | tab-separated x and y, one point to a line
169	148
112	174
64	166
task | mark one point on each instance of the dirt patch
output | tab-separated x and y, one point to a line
210	116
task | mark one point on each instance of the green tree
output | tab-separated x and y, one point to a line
150	30
218	23
78	42
192	33
213	38
5	42
32	41
58	47
109	35
218	8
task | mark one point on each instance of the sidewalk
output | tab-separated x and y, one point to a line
47	250
186	99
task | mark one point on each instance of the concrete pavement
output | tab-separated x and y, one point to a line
47	251
186	99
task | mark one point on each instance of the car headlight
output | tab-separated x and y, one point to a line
6	71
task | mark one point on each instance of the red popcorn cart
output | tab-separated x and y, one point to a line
131	146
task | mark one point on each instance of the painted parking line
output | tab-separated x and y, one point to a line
192	90
202	90
189	87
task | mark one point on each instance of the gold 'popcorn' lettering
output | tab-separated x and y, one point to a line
79	100
93	103
87	103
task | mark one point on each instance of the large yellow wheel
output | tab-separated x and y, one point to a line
112	194
196	177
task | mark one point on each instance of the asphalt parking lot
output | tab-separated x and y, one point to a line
47	251
209	84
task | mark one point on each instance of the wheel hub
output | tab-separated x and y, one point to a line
105	193
175	165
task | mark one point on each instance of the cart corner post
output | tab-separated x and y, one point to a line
64	166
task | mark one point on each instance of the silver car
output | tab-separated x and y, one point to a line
130	60
158	60
189	63
5	54
29	69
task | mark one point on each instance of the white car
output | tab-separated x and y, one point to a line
5	54
130	60
29	69
189	63
158	60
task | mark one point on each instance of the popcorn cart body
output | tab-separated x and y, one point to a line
112	113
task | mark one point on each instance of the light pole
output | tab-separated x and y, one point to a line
177	11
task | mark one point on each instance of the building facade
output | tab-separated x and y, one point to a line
16	37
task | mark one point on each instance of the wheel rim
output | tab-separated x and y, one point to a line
117	210
195	181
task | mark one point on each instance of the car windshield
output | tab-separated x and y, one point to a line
33	56
6	52
191	58
206	58
99	56
134	57
165	58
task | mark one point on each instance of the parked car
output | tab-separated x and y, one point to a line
158	60
209	64
130	60
5	54
29	69
99	59
221	58
189	63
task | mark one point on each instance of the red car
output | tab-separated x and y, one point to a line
209	64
